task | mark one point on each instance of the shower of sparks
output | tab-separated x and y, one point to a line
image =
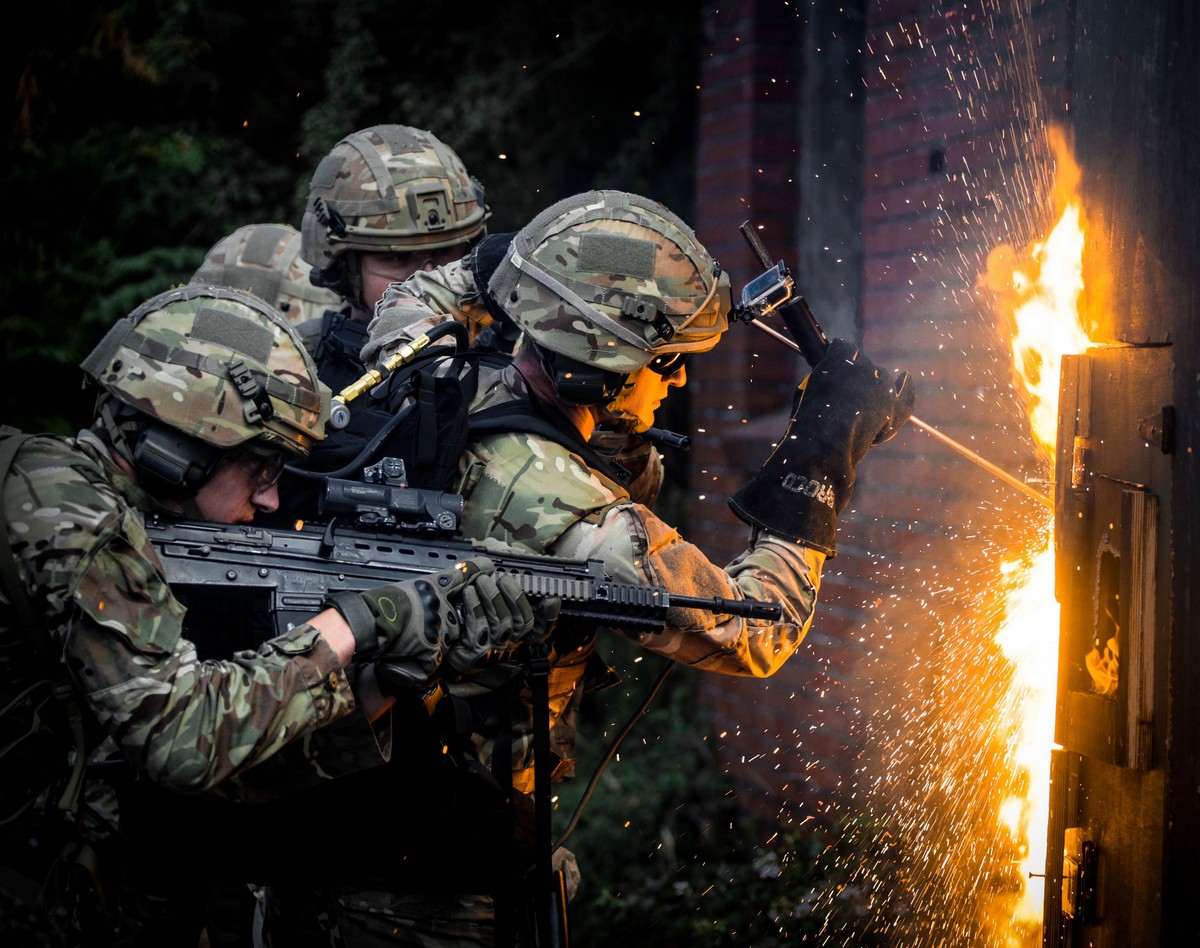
948	808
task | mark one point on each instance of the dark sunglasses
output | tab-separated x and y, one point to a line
668	363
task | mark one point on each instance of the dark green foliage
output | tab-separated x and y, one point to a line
668	858
145	130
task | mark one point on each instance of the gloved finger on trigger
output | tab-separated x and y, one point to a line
518	605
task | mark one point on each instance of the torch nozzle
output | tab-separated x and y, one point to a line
984	463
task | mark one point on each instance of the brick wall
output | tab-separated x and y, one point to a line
951	149
747	169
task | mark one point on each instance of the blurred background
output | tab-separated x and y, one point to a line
142	132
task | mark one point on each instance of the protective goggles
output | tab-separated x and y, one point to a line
668	363
264	469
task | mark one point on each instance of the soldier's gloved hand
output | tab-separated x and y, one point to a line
564	860
496	619
407	627
846	405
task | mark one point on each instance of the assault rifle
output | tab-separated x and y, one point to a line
381	532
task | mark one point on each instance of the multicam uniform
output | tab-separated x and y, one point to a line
76	525
193	377
387	192
458	291
532	493
451	290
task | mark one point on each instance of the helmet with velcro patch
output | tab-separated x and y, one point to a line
612	280
202	369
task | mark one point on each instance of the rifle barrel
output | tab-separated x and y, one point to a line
747	608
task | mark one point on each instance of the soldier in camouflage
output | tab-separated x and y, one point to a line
613	294
459	291
204	392
264	260
386	202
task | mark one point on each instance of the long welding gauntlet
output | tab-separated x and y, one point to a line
461	615
846	405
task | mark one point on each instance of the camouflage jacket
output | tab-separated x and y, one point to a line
422	301
527	492
76	526
428	297
531	493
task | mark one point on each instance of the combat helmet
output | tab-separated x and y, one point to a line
199	370
604	283
264	260
387	189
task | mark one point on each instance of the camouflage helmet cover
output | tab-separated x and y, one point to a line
612	279
218	365
390	189
264	260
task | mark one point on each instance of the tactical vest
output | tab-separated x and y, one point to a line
337	348
526	490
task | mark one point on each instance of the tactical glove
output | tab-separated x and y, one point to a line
845	405
408	628
497	618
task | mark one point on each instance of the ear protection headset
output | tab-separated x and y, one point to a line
171	459
578	383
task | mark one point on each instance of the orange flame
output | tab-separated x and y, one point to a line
1040	296
1028	638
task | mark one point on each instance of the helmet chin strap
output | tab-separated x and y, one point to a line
114	430
611	415
352	280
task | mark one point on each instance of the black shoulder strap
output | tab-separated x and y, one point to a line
525	415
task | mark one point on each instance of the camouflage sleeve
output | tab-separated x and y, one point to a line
638	547
188	724
422	301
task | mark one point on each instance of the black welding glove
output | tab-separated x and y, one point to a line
846	405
